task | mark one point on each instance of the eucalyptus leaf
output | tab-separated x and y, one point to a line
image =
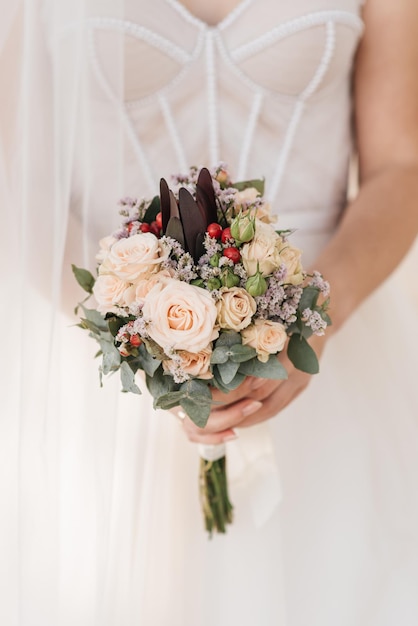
84	278
272	369
95	318
197	401
110	362
169	400
309	298
240	353
128	379
219	355
302	355
235	382
147	361
228	371
158	384
228	338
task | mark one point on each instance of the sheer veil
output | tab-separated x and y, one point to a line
61	480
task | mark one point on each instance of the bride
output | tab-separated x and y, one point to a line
100	520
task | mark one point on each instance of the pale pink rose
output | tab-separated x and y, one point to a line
249	196
105	244
136	293
235	308
265	337
291	258
109	292
263	250
134	258
246	196
193	364
181	316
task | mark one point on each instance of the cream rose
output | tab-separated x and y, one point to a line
105	244
181	316
246	196
291	258
265	337
134	258
193	364
235	308
263	250
109	292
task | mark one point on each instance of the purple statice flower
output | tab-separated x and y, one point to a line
225	262
239	270
318	281
211	245
139	327
173	246
185	269
314	321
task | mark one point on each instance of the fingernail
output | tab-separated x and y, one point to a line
252	407
229	438
258	382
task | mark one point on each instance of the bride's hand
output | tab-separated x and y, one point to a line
255	401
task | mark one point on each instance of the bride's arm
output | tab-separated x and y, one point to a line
380	225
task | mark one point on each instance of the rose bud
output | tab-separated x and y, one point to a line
214	260
214	283
135	340
256	285
243	228
229	279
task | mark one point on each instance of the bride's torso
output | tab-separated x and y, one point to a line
267	90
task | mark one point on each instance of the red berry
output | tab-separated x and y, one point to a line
226	235
232	254
159	219
135	341
214	230
155	229
130	226
145	228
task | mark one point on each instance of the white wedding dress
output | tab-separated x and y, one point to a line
99	511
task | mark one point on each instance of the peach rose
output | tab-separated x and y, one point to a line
181	316
235	308
263	250
193	364
134	258
109	292
265	337
291	258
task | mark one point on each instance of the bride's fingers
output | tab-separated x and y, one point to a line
200	436
222	420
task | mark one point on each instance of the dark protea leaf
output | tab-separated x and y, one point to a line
175	230
199	247
192	221
165	203
205	196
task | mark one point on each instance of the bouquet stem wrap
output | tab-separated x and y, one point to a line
213	487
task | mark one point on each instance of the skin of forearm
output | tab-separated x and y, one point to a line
376	231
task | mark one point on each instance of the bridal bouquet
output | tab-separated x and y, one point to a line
199	290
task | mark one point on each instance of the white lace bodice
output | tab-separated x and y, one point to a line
267	91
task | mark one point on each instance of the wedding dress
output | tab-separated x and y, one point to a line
100	516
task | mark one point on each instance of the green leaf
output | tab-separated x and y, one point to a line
95	318
245	184
228	371
197	401
114	323
302	355
235	382
240	353
219	355
169	400
84	278
158	384
272	369
228	338
128	379
309	298
111	356
147	361
152	210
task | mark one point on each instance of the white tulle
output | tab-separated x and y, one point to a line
99	512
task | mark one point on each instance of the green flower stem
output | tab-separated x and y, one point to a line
216	506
